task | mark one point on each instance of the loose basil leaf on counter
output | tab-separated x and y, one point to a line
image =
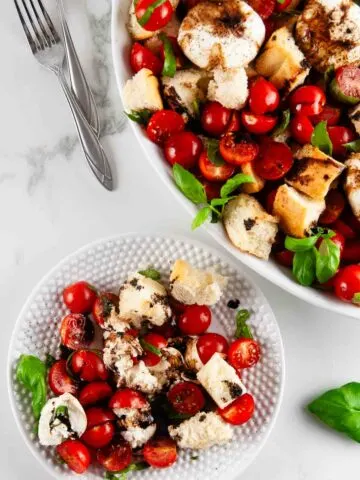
242	328
353	146
235	182
212	149
284	123
142	117
149	11
49	360
150	273
356	298
327	260
340	409
169	68
31	372
320	138
304	267
189	185
150	348
201	217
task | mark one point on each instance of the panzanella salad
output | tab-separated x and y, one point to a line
159	381
256	106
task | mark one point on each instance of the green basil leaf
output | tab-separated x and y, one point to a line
280	1
151	273
233	183
49	360
242	328
327	260
31	372
189	185
149	11
340	409
220	202
301	244
201	217
131	468
169	68
320	138
353	146
150	348
284	123
142	117
212	150
356	298
304	267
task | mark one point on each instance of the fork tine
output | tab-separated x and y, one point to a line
35	30
49	23
29	37
41	25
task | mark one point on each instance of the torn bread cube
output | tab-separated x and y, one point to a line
252	187
191	285
313	172
282	62
136	30
354	116
297	213
352	183
229	87
142	92
250	228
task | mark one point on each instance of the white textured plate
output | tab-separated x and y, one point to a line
106	264
281	276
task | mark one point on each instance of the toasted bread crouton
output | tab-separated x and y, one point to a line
313	172
352	183
354	115
296	212
257	185
250	228
229	87
137	31
142	92
282	62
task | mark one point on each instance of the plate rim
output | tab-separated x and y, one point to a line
251	456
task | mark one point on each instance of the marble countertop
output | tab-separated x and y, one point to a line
50	205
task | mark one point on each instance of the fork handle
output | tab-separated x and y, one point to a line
90	143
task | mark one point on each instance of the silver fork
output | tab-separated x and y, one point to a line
48	49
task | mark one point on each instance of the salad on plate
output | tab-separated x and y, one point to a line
256	107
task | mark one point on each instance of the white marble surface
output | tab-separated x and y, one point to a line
50	205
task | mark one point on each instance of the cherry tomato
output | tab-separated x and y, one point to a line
98	416
235	122
94	392
128	398
335	204
59	380
76	331
351	252
80	297
280	7
347	284
284	257
347	81
209	344
263	96
142	57
258	124
88	366
99	436
103	305
338	239
115	458
301	129
238	149
212	172
244	353
195	320
350	219
160	17
186	398
270	199
160	452
75	454
274	160
183	148
263	8
163	124
212	189
158	341
177	306
239	411
340	226
339	136
215	118
307	100
330	115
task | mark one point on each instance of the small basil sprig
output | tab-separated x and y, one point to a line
151	273
142	117
327	260
31	372
149	347
242	328
169	68
284	123
353	146
304	267
149	11
320	138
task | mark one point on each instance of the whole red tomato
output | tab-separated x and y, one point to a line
98	416
239	411
163	124
158	341
141	57
79	297
195	320
258	124
94	392
183	148
88	366
160	452
99	436
347	284
210	343
301	129
263	96
307	100
103	305
215	118
128	398
160	17
339	136
75	454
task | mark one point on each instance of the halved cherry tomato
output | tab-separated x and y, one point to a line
335	204
183	148
76	331
270	199
215	118
340	226
284	257
239	411
75	454
94	392
157	341
210	343
338	239
142	57
98	416
88	366
263	96
79	297
339	136
244	353
347	284
103	305
280	7
238	149
99	435
160	452
212	172
258	124
330	115
307	100
195	320
235	122
115	458
186	398
351	252
263	8
160	17
301	129
59	380
274	160
128	398
346	84
163	124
